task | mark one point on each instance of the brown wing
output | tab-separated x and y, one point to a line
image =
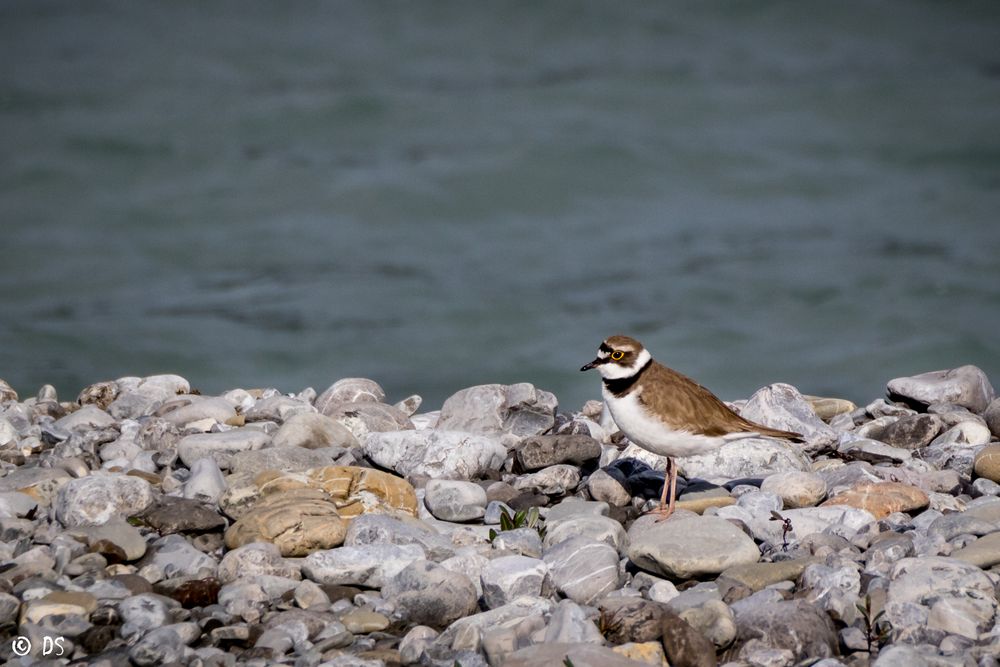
683	404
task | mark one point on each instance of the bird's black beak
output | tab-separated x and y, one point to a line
593	364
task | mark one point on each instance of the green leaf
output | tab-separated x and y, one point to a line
519	518
493	534
506	523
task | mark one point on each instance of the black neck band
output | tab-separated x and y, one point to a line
619	386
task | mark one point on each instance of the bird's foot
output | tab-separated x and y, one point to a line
662	513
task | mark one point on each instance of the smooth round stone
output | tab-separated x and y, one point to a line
364	418
828	408
983	553
713	619
310	430
87	418
285	459
554	480
209	410
438	454
350	390
58	603
606	488
969	433
454	500
572	507
760	503
796	489
748	457
966	386
992	417
370	529
429	594
987	463
116	535
370	565
220	446
881	498
985	487
583	570
492	409
277	408
542	451
206	482
688	546
257	558
97	498
509	577
362	621
942	596
494	510
701	500
595	528
176	557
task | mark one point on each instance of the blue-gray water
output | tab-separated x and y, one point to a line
437	195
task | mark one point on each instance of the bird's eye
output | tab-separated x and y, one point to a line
617	355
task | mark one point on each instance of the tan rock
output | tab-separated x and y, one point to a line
58	603
984	552
363	621
828	408
699	505
757	576
649	653
298	521
303	512
882	498
796	489
987	462
354	490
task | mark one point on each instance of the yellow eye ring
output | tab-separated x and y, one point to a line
617	355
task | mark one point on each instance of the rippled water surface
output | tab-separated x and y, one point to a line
436	195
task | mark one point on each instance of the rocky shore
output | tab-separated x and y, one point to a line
146	524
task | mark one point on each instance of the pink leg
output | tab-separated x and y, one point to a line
670	482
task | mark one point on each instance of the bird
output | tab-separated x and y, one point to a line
666	412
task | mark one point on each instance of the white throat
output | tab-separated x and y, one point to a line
613	371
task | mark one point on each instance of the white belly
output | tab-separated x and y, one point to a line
653	435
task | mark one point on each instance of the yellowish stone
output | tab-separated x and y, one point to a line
650	653
881	498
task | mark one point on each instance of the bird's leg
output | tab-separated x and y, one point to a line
669	482
673	486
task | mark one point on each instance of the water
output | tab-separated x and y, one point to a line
437	195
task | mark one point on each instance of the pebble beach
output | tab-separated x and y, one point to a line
144	523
